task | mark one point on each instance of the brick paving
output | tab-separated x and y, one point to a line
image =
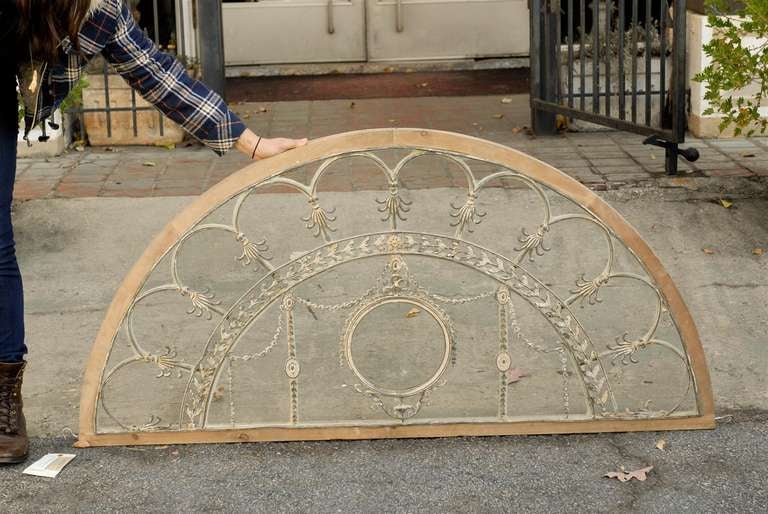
603	160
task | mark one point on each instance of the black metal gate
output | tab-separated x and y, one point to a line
617	63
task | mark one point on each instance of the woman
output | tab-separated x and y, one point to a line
50	42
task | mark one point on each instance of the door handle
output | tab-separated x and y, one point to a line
331	25
399	25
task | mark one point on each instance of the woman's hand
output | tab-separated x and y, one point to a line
266	147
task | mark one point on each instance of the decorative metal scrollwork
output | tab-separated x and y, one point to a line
454	310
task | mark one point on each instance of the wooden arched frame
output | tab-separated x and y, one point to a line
371	140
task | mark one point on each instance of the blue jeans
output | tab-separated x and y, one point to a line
12	348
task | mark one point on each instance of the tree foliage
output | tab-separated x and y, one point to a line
739	61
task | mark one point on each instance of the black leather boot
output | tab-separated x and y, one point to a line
14	444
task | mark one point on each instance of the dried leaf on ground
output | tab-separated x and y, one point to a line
626	476
517	130
149	164
413	313
708	251
506	100
725	203
661	444
167	146
514	375
758	251
498	116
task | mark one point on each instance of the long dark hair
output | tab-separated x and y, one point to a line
44	23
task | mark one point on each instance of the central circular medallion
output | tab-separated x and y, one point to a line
398	346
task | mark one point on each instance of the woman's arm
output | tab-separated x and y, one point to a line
163	81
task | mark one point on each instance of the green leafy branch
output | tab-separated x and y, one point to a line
74	99
736	66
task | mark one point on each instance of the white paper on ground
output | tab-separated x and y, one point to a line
50	465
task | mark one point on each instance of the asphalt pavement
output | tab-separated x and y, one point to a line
721	470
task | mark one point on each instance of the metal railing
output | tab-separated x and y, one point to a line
613	64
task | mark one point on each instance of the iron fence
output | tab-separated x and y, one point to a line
158	19
617	63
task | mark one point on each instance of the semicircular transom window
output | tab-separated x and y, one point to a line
394	283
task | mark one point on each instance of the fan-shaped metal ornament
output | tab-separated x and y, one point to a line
394	283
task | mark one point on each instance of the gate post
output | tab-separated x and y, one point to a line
679	79
211	44
544	60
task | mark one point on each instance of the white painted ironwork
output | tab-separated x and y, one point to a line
525	339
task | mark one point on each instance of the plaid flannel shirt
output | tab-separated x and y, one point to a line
157	76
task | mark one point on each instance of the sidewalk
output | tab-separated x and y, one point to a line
602	161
